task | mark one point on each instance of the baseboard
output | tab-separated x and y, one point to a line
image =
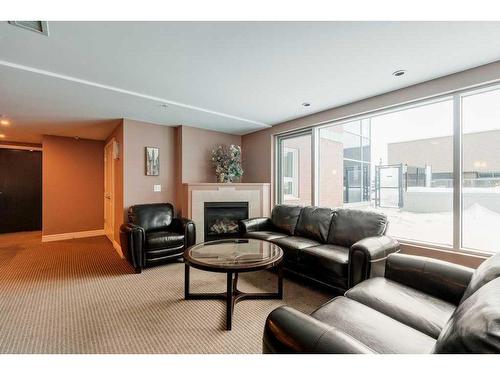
72	235
118	248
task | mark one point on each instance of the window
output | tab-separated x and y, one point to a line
295	163
412	147
344	161
291	173
386	162
481	171
433	168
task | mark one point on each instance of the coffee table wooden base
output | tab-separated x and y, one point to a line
232	294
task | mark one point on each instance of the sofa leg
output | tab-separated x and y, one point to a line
138	269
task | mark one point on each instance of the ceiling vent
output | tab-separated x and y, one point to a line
40	27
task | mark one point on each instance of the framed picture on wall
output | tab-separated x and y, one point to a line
152	161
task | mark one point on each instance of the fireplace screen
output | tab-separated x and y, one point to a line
221	219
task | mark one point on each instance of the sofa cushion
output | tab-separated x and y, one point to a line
474	327
154	216
265	235
325	260
314	222
292	244
285	217
377	331
163	240
404	304
487	271
349	226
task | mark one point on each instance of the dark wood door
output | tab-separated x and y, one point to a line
20	190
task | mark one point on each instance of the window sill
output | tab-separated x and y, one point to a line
468	258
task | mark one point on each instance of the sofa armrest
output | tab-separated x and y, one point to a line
133	238
364	253
440	279
290	331
255	224
187	228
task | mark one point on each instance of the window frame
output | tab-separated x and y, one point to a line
278	190
456	96
294	179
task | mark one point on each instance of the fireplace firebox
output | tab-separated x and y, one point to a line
221	219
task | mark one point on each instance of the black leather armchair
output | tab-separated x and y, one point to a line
422	305
154	236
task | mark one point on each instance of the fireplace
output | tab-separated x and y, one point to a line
221	219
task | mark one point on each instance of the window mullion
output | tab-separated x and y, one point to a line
315	166
457	172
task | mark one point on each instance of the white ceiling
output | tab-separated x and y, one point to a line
235	77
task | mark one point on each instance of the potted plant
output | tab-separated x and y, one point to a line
227	163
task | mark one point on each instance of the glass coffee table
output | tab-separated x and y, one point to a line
233	256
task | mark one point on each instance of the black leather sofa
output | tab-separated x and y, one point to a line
336	247
422	305
154	236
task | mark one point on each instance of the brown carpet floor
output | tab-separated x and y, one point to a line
79	296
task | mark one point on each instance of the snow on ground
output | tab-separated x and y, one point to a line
481	227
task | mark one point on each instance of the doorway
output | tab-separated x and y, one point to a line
109	191
20	190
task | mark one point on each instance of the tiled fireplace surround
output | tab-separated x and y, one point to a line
195	195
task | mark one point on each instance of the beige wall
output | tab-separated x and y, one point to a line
258	149
117	135
73	185
138	188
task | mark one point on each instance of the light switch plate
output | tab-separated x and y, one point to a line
157	188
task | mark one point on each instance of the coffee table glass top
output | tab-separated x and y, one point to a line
234	253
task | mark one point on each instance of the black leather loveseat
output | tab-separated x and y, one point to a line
154	236
337	247
422	305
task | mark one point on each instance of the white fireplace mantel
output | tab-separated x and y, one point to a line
258	196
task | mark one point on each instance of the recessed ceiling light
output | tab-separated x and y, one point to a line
306	104
5	122
2	135
399	73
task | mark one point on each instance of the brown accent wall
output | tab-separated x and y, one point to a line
196	147
138	188
117	134
184	157
73	185
192	156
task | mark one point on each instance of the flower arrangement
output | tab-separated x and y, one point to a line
227	163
